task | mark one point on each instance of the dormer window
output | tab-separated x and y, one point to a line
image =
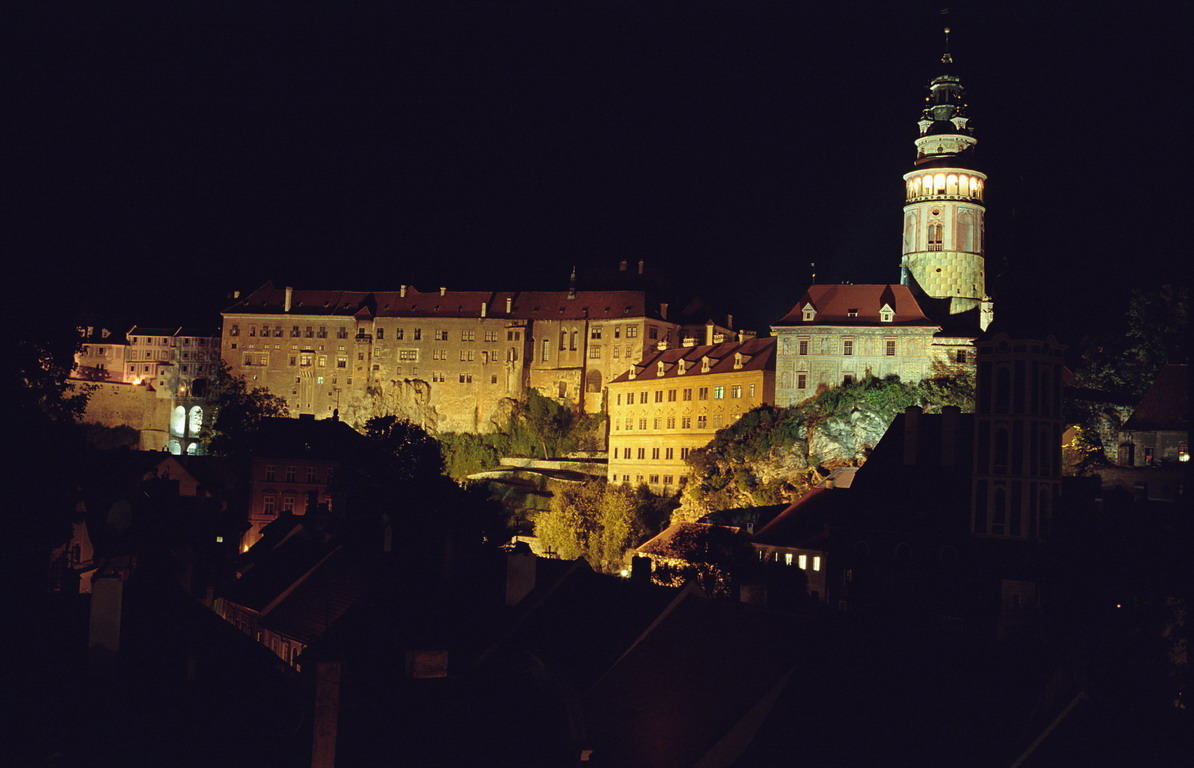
852	312
681	367
633	372
660	369
704	365
737	360
886	314
809	313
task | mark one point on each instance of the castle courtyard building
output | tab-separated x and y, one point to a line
674	401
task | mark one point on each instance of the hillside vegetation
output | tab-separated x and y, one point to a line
773	455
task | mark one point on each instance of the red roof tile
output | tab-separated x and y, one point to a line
758	355
527	305
1166	404
857	305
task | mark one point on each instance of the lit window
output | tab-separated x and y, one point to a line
719	393
788	559
803	562
816	562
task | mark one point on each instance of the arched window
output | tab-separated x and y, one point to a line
192	449
593	381
178	422
939	183
1001	451
194	421
966	231
999	512
936	231
951	185
174	447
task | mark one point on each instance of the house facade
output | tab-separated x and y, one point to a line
675	400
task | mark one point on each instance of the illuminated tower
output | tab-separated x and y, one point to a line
943	215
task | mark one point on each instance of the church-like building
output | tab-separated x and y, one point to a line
926	324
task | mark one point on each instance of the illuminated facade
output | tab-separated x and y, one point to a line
944	228
447	360
675	400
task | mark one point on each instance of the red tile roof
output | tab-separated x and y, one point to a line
857	305
528	305
758	354
1166	404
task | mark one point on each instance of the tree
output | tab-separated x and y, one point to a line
599	522
412	452
237	410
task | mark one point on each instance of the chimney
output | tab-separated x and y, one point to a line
402	291
663	310
622	265
443	289
484	308
640	569
520	573
289	298
830	483
911	433
509	304
640	266
730	322
709	333
688	341
950	415
661	345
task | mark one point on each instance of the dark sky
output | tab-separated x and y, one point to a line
161	157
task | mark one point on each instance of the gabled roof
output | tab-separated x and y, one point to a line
804	522
676	539
857	305
524	305
306	438
321	598
758	355
280	570
1166	404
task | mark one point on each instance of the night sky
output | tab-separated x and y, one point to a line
160	158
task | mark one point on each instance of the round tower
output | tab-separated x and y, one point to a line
943	215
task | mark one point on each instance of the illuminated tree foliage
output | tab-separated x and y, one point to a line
236	410
599	522
773	455
536	427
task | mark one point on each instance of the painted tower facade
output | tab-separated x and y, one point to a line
943	249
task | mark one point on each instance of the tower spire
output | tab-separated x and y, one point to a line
947	57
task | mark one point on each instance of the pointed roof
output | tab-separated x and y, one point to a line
1166	404
857	305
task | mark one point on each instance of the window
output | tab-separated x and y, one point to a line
467	355
632	331
341	362
935	236
341	333
801	381
268	506
685	422
291	473
418	334
671	395
629	423
655	454
491	335
233	331
659	396
702	422
848	378
671	422
595	333
642	453
514	335
653	479
563	340
816	562
572	340
667	479
288	503
652	333
470	335
595	352
736	391
890	348
408	355
294	332
271	473
381	334
719	393
802	562
684	453
717	420
668	453
441	334
616	349
804	346
687	395
847	347
642	423
703	393
439	354
961	356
